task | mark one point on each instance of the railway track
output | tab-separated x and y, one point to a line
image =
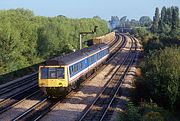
14	93
44	106
115	47
7	104
97	73
99	108
14	99
40	109
13	86
112	105
34	112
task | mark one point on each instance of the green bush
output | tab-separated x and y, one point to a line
131	114
26	39
162	75
153	116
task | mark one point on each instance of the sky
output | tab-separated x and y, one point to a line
133	9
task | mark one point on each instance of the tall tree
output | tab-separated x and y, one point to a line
114	22
164	23
156	19
163	14
123	21
145	21
175	17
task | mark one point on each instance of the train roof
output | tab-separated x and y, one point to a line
75	56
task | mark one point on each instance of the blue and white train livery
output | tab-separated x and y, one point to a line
63	73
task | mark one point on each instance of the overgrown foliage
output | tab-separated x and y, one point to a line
26	39
145	112
166	21
160	71
123	22
162	75
132	113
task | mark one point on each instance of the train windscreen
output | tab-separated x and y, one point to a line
52	73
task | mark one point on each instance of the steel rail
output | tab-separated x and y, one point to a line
117	90
99	95
18	84
4	109
20	117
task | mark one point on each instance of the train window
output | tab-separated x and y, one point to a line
106	51
89	61
98	55
92	59
60	73
81	64
44	73
70	70
75	68
78	67
52	73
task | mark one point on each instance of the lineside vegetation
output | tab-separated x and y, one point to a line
157	94
26	39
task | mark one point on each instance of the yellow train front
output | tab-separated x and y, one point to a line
53	80
62	74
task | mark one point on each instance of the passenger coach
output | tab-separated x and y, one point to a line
62	73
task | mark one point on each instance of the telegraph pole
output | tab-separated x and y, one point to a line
80	41
81	34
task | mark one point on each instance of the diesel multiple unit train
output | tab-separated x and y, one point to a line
61	74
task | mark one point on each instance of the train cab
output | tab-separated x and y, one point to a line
52	76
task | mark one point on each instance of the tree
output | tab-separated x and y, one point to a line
97	17
145	21
163	15
175	17
163	23
134	23
156	19
114	22
162	75
123	21
26	39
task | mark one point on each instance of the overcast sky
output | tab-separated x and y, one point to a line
133	9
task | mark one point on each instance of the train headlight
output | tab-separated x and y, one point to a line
42	84
60	84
